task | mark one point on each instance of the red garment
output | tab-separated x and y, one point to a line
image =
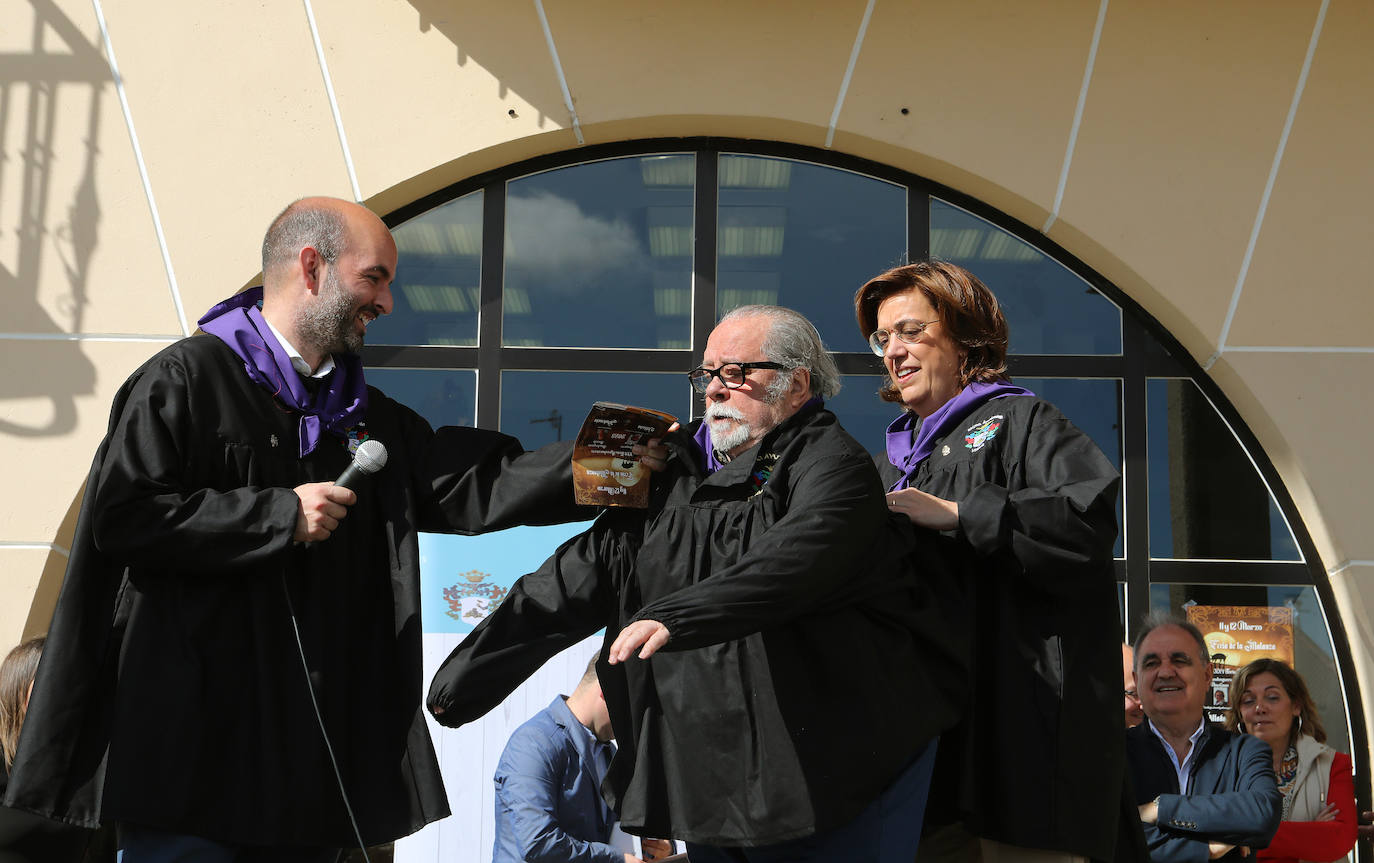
1320	841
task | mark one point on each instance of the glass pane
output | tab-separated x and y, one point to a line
1206	498
442	396
806	237
542	407
862	413
1049	310
600	255
438	278
1292	628
1095	407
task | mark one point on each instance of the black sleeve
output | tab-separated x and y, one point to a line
835	528
1058	519
565	600
479	480
147	510
1248	814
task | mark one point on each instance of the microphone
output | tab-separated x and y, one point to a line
369	458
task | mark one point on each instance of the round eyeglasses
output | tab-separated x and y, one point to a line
908	331
730	374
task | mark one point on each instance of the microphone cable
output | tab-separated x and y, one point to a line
319	717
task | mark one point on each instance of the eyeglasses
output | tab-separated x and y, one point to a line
1132	694
908	332
730	374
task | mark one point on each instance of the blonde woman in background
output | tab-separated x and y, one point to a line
1269	700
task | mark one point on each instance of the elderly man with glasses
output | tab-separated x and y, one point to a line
781	653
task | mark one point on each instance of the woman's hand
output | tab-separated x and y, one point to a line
1328	814
924	510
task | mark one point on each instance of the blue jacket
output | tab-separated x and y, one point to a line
548	800
1231	795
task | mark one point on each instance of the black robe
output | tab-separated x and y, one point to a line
171	692
813	650
1039	759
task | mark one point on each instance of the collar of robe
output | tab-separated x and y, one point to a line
906	450
337	406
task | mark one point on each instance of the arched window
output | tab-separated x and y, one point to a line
527	294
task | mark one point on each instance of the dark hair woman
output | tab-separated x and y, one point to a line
1269	700
26	838
16	682
1031	501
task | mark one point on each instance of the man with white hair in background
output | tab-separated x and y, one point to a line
780	656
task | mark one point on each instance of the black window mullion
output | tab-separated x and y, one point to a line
707	199
489	322
917	224
1245	572
1135	481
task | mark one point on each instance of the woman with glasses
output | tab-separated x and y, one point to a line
1269	700
1036	768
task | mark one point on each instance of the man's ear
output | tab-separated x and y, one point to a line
312	268
800	392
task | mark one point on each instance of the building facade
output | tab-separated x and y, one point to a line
1167	197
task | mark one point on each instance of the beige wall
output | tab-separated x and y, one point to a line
1170	149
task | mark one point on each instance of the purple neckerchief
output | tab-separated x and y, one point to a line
335	408
906	453
706	454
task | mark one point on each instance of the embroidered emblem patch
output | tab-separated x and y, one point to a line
356	436
976	436
764	469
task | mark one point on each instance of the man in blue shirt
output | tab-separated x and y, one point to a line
548	785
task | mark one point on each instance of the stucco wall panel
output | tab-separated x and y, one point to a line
934	60
234	121
1319	223
21	572
440	84
1182	119
78	253
51	436
1353	586
625	60
1321	432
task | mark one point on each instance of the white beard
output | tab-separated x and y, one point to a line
726	436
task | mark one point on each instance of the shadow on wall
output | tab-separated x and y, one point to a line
471	27
61	223
54	572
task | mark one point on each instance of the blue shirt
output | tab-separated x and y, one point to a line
548	793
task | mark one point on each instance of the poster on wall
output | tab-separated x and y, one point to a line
1237	635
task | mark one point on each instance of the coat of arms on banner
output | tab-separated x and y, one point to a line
473	597
978	435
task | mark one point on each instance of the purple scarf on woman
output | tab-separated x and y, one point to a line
336	407
907	451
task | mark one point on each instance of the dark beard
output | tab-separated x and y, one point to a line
327	326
